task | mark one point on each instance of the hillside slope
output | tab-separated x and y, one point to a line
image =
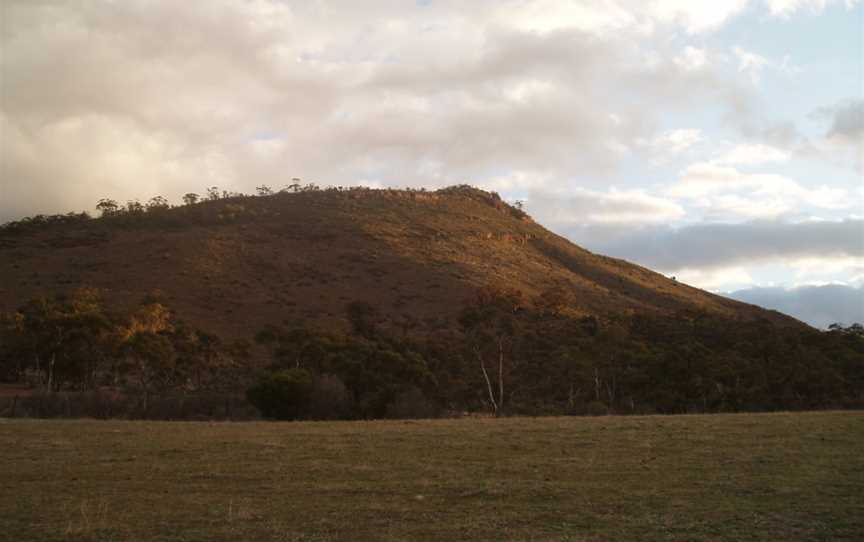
234	265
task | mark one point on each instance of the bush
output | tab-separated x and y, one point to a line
597	408
283	395
411	404
101	404
330	399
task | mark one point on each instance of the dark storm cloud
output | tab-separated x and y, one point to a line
727	245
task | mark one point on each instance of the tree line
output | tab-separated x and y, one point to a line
155	209
505	355
73	343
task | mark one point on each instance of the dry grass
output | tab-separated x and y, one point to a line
722	477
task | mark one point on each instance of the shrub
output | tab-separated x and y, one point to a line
411	404
330	399
283	395
597	408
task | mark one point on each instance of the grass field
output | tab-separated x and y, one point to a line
722	477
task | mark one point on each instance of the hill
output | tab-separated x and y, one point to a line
237	264
367	303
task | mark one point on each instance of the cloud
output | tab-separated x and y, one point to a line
692	58
819	306
696	15
612	207
667	145
715	278
136	98
723	192
711	246
750	63
129	99
785	8
847	122
752	154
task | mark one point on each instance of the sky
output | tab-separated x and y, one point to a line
718	141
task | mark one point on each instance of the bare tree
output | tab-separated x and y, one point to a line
489	323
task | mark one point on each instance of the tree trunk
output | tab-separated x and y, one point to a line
488	382
39	371
500	375
611	390
596	384
51	372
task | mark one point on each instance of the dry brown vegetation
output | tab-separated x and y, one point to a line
697	478
235	265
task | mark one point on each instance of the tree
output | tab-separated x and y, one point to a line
65	338
108	207
212	193
150	361
294	186
490	324
191	198
283	395
157	203
264	190
147	349
13	351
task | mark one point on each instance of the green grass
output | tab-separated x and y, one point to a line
722	477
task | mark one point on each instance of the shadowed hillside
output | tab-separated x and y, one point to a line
364	303
234	265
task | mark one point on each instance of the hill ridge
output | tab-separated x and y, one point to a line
314	250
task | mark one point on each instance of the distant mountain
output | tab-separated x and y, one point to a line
819	306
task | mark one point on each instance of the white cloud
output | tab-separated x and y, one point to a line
668	145
691	59
677	141
713	279
808	270
751	154
696	15
552	15
129	99
725	192
750	63
785	8
733	206
604	16
613	207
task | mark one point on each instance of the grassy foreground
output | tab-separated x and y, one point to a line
721	477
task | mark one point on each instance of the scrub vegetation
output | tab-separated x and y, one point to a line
360	304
